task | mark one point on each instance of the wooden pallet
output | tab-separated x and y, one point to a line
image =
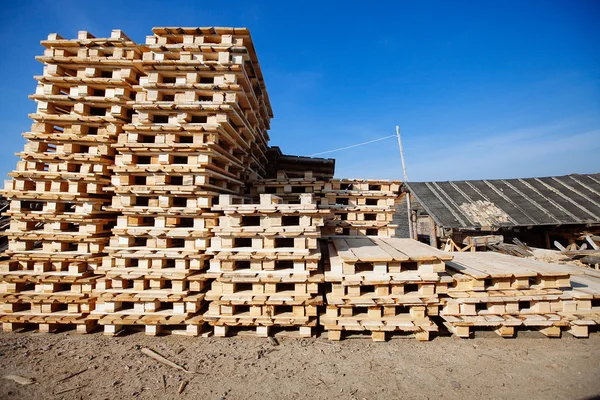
268	264
351	232
499	271
49	322
379	328
363	185
264	331
153	323
551	325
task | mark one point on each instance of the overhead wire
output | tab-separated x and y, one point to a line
354	145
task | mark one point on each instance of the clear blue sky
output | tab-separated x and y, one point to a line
480	89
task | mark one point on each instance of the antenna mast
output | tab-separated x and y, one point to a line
410	225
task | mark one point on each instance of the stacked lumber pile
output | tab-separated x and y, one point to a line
59	229
289	188
383	285
199	130
360	207
496	291
266	261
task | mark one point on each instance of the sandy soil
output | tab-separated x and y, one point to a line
530	367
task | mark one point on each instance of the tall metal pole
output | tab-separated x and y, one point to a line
410	225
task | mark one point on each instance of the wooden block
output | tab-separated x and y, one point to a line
226	309
422	336
346	311
262	331
374	312
427	289
495	308
179	308
332	312
468	309
192	330
378	336
338	290
220	330
10	326
382	290
551	331
541	307
417	312
298	311
512	307
579	331
389	311
47	328
334	335
87	327
111	330
520	283
506	331
152	330
462	331
305	331
452	308
256	311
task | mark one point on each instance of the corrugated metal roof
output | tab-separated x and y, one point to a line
554	200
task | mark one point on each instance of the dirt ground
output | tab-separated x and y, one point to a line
530	367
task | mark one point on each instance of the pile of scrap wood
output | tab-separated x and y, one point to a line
518	249
587	255
491	243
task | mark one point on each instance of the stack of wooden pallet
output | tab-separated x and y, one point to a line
289	189
58	226
504	293
383	285
266	261
360	207
200	129
206	89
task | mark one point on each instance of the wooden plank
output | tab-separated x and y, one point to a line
417	251
366	250
396	254
466	269
495	264
344	251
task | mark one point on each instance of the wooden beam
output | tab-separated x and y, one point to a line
432	233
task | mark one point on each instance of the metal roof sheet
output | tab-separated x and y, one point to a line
496	203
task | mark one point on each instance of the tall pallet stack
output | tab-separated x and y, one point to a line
59	228
360	207
266	262
382	286
199	130
504	293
